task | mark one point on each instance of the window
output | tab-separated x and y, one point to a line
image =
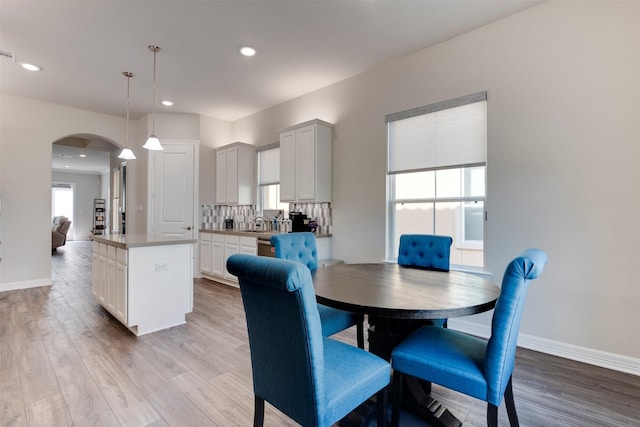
436	176
269	178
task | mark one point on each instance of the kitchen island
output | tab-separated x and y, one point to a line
144	280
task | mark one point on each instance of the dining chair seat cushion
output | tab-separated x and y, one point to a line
351	375
456	362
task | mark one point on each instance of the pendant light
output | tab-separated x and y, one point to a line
153	143
126	152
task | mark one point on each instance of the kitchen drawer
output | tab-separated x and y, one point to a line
218	238
205	237
232	240
248	241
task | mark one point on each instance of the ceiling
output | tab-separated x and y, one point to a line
84	47
84	155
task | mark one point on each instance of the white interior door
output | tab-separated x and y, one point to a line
173	189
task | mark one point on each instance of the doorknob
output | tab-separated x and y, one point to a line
188	227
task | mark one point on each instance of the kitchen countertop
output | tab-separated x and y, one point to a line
262	235
126	241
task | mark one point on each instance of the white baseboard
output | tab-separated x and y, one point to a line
600	358
11	286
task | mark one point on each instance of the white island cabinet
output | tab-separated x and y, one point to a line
145	281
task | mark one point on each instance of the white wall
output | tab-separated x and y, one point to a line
27	130
563	83
87	188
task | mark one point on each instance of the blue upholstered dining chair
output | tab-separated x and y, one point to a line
313	379
428	251
471	365
302	248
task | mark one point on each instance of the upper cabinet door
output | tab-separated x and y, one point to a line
288	166
235	174
221	176
305	162
232	175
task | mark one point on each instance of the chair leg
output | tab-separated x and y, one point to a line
381	407
511	404
258	412
396	405
492	415
360	334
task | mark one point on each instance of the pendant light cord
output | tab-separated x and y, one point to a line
155	50
129	75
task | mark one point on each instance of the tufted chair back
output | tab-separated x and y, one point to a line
425	251
299	247
501	348
314	380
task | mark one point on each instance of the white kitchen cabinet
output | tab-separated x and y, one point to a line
218	260
235	177
111	279
144	281
206	253
248	245
98	271
122	286
305	162
223	246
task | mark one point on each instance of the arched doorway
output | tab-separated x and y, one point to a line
88	167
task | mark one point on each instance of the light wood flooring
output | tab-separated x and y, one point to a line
65	361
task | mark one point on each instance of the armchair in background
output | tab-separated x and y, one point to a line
59	230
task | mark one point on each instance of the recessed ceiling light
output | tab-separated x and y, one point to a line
83	155
247	51
167	103
30	67
67	166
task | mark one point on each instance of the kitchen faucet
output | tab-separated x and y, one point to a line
266	224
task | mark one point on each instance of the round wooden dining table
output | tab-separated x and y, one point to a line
397	300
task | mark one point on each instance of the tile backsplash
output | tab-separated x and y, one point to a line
212	216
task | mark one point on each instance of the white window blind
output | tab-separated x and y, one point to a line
269	166
446	134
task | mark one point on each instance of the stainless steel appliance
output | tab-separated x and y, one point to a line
265	248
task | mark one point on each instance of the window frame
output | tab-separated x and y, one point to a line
392	202
260	188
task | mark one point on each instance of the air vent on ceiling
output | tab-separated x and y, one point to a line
7	56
